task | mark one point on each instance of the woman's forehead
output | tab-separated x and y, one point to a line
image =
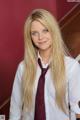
36	24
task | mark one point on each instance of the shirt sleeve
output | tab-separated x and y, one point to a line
74	87
16	96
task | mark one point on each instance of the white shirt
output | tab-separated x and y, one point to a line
52	111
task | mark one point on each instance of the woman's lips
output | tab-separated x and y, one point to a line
41	42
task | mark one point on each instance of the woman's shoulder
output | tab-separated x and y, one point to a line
21	64
71	62
20	67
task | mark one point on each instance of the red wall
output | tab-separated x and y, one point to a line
12	17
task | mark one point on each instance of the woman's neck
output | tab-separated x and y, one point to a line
45	55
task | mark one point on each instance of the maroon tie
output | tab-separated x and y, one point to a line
39	102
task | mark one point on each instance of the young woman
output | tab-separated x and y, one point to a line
58	98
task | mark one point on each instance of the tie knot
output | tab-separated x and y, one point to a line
44	70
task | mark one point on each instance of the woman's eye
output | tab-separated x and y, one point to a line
34	33
45	30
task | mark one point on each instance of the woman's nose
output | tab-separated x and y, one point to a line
40	35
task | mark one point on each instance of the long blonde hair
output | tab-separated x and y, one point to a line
57	64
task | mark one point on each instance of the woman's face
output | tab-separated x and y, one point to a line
40	35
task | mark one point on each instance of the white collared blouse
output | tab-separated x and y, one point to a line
51	108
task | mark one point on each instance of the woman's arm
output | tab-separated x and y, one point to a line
74	89
16	96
